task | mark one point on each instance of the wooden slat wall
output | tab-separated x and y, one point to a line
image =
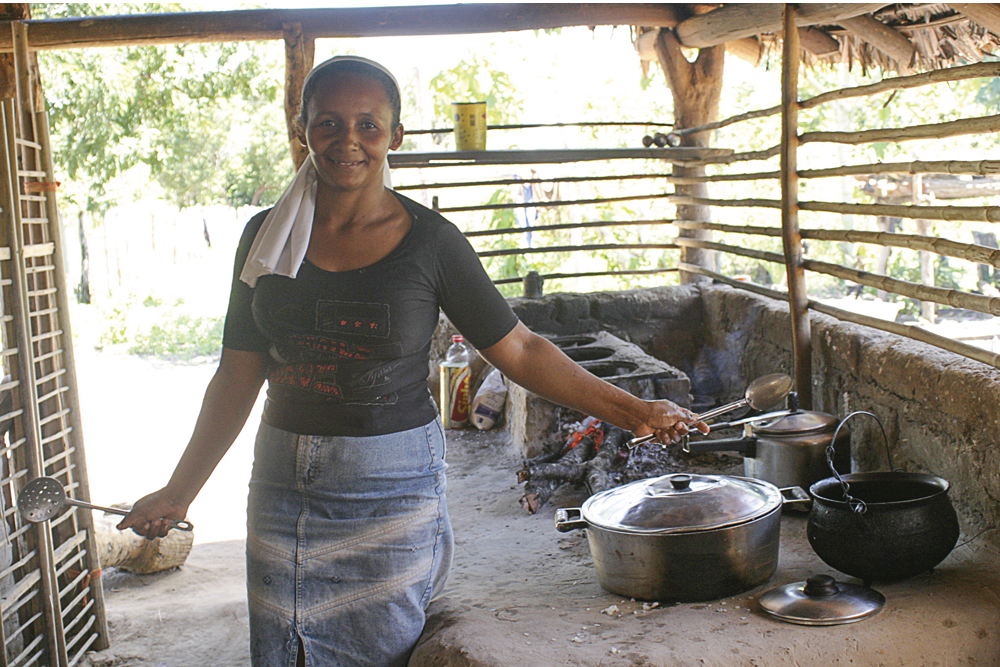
51	601
921	241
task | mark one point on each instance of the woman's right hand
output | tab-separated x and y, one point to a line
151	516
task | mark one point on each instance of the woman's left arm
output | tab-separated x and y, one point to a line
539	366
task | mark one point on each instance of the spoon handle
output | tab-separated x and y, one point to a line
180	525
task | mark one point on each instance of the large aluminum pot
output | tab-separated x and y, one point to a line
681	537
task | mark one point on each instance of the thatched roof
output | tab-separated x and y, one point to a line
903	37
942	37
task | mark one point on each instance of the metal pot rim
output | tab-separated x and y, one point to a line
680	531
802	422
939	484
770	502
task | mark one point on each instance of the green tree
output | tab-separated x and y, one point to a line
476	80
202	118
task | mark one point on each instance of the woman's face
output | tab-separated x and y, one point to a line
349	131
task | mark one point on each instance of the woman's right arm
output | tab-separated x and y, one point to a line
228	401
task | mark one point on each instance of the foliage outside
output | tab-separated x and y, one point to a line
205	124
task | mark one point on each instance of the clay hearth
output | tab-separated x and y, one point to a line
532	422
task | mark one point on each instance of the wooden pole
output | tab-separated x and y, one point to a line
968	251
579	248
32	456
889	41
927	308
696	88
542	204
736	20
340	22
974	71
73	388
953	128
947	297
967	213
982	167
986	14
503	231
298	61
680	155
791	237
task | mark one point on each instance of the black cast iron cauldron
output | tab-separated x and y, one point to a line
881	526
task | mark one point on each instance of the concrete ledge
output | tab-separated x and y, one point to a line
941	411
523	594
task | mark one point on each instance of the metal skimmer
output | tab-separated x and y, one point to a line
44	497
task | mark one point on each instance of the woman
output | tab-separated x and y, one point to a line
335	299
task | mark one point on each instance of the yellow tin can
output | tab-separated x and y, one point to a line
470	125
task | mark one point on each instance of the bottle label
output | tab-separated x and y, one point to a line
455	382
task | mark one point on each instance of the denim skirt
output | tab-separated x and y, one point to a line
348	539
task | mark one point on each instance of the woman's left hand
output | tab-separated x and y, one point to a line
668	421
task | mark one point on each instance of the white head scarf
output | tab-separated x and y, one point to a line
283	238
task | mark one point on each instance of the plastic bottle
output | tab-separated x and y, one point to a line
455	384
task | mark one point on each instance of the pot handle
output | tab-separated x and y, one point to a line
795	498
568	519
747	446
856	505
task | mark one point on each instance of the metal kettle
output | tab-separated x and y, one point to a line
786	448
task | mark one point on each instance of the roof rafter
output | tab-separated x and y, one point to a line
267	24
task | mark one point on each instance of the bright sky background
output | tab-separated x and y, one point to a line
557	73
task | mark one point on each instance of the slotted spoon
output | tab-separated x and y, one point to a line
43	498
763	393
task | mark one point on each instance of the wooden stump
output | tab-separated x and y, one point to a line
127	551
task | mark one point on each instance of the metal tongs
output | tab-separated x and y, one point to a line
764	393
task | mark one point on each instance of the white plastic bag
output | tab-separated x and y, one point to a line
488	402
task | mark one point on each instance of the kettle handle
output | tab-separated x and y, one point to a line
858	506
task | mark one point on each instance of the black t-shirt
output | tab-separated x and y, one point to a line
349	349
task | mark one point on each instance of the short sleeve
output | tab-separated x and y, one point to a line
240	331
468	297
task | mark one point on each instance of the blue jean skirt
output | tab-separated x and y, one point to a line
348	539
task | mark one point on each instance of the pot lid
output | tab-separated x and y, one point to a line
681	503
821	600
798	423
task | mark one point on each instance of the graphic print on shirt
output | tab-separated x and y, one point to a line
360	319
317	369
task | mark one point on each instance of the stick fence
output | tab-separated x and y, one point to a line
981	178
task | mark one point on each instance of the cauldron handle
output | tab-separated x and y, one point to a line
858	506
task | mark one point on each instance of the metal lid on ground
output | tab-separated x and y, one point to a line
821	600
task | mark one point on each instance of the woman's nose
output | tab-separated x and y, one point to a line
347	137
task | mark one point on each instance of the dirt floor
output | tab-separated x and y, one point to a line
523	594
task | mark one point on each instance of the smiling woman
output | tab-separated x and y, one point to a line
335	299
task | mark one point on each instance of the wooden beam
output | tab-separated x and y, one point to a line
818	42
747	48
267	24
798	295
986	14
548	156
696	88
886	39
298	62
736	20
